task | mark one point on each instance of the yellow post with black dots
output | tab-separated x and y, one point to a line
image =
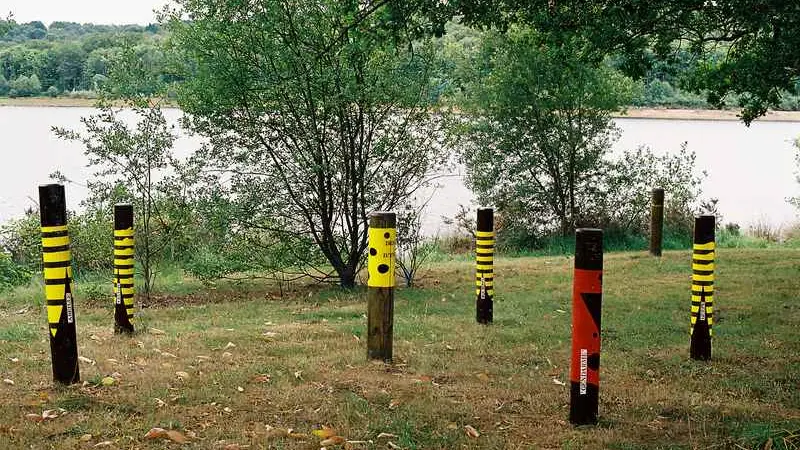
123	268
57	263
484	266
381	282
702	313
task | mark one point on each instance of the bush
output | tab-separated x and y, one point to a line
12	275
52	91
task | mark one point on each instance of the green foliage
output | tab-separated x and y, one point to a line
26	86
316	107
12	274
134	163
540	127
74	57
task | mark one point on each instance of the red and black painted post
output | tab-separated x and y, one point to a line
124	252
702	312
57	263
587	296
484	266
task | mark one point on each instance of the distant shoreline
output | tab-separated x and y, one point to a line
631	113
703	114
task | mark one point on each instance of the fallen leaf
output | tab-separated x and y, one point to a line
86	437
8	381
86	360
324	433
107	381
387	436
227	355
34	417
394	403
333	440
112	361
14	360
394	446
239	388
177	436
229	346
95	337
298	375
559	382
471	432
227	410
160	403
156	433
448	347
156	331
104	444
182	375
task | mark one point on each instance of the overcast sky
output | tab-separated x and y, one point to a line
82	11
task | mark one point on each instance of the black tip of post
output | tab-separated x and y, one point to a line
383	219
123	216
52	205
589	249
485	219
704	229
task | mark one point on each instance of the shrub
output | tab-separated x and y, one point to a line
12	274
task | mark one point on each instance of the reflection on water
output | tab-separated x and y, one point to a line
750	170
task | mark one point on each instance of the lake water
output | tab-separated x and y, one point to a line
750	170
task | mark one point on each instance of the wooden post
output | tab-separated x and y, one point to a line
123	268
657	222
702	312
57	263
587	298
484	266
380	293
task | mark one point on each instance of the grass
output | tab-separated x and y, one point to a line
301	362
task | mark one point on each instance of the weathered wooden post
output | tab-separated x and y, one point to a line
657	222
380	293
587	297
702	313
123	268
484	266
57	263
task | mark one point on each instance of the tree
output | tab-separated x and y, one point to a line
539	128
133	164
314	113
760	40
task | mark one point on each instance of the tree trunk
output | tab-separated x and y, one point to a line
347	278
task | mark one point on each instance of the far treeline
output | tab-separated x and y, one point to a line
317	113
71	59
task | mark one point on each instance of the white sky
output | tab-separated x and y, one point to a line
117	12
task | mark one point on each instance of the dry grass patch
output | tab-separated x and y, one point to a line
266	373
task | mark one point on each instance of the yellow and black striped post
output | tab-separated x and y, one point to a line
484	266
702	314
381	282
57	263
657	222
123	268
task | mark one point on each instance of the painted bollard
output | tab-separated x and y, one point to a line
123	268
587	296
380	293
657	222
702	312
484	266
57	268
